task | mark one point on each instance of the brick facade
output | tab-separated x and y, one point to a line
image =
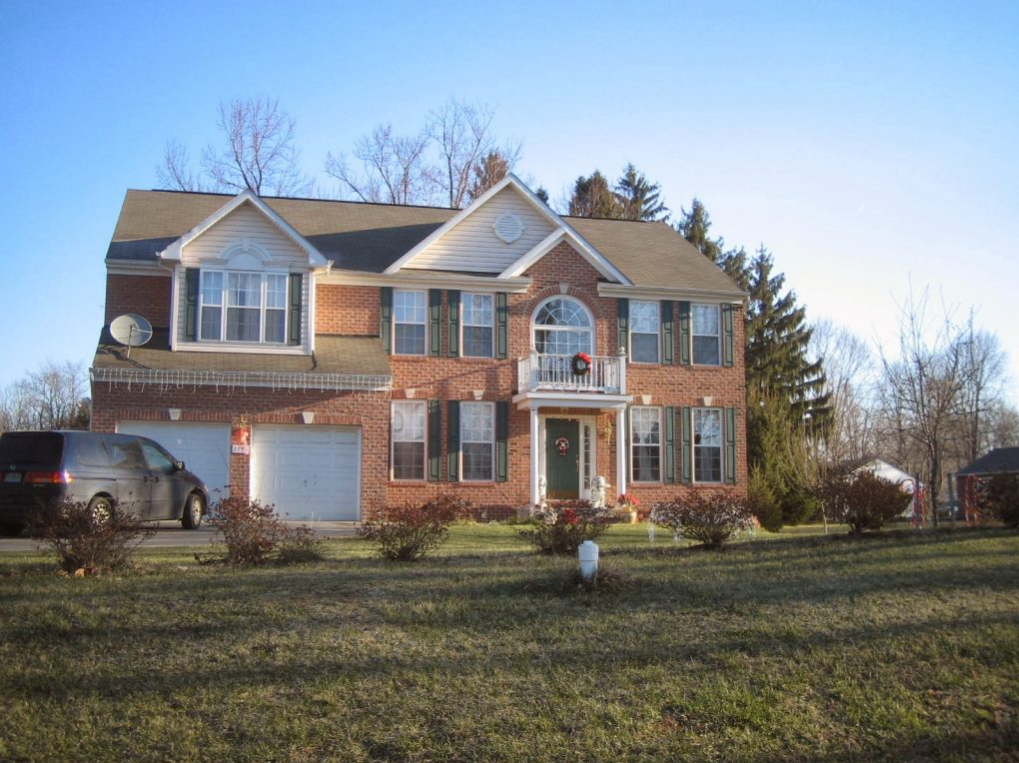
354	311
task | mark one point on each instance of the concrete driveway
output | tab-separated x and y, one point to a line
171	534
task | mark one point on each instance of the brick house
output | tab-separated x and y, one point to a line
330	357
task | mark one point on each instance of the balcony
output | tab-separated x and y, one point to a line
552	373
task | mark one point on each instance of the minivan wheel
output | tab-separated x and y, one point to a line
10	530
194	507
100	510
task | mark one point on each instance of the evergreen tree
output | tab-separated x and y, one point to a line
694	226
592	197
488	171
640	199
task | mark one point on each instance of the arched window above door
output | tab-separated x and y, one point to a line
562	326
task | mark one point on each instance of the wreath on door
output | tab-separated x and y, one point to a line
581	364
562	446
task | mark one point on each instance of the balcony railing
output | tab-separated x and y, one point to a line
553	373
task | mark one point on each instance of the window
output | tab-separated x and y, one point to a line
562	326
646	444
644	332
409	441
478	320
409	320
254	306
706	335
477	441
707	445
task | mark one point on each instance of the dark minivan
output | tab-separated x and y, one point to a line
135	473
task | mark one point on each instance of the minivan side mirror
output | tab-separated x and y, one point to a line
178	466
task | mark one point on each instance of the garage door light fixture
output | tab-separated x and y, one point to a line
174	414
308	417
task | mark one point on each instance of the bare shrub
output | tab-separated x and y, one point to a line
862	500
562	526
92	537
711	517
254	534
405	533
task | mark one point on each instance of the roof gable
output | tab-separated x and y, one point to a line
505	231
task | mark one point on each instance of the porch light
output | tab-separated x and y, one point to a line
308	417
587	553
173	413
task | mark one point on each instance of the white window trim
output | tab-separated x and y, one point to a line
658	333
463	324
393	441
694	334
262	307
584	307
395	323
661	462
492	442
694	446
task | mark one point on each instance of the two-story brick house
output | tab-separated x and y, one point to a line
330	357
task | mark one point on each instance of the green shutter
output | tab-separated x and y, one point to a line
191	288
668	340
501	326
453	441
453	314
686	468
623	312
296	293
434	439
670	444
502	441
435	322
728	346
730	445
386	318
684	333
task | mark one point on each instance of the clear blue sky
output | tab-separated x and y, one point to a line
866	144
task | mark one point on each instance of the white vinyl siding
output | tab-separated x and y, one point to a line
472	246
644	325
244	225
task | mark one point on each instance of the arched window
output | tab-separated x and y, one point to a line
563	326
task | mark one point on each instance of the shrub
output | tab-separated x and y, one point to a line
862	500
92	537
254	534
405	533
562	526
711	517
1000	497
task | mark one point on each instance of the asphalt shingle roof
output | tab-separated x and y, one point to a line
370	237
999	460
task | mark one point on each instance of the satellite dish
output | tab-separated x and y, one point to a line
131	330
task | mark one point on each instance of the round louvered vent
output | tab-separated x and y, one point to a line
508	227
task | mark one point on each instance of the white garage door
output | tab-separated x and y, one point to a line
307	472
204	448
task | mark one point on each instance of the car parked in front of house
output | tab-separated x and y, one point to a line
134	473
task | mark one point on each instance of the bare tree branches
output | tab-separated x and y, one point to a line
393	168
258	153
54	397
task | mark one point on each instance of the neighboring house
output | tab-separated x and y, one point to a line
997	461
890	472
331	357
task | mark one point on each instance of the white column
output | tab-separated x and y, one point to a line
621	450
535	451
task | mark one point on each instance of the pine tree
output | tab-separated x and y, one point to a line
640	199
694	226
592	197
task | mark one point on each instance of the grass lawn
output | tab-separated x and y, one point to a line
902	648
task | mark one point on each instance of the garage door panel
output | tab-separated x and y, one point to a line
307	473
204	448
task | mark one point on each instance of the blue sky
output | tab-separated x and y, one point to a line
868	145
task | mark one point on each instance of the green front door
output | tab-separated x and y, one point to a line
562	458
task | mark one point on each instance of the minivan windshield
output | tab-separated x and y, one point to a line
42	449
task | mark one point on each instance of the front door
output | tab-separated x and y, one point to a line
562	458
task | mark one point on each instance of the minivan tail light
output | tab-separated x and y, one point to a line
48	478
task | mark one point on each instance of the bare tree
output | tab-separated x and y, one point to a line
394	169
923	387
983	377
849	380
258	153
1001	428
54	397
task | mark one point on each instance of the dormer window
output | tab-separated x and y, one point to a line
243	307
